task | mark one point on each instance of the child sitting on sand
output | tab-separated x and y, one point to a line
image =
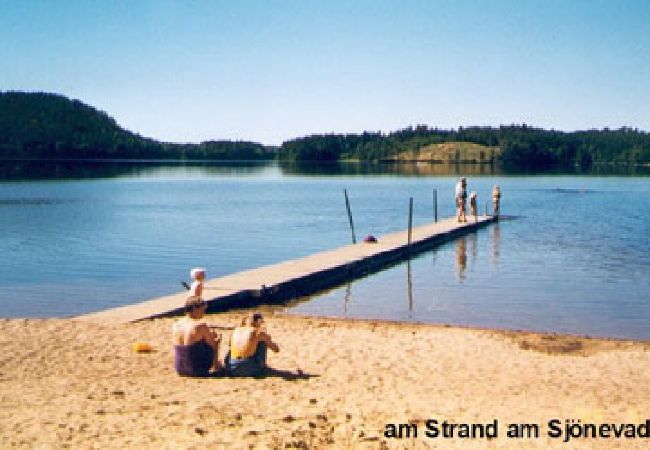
198	276
248	344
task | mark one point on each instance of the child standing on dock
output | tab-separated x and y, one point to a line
472	204
198	276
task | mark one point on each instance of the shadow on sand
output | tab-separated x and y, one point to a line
287	375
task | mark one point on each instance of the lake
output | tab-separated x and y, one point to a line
77	237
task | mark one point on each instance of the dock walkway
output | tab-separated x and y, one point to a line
303	276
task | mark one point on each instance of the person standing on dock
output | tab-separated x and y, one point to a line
472	205
461	198
496	200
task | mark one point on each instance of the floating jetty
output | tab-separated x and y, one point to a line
280	282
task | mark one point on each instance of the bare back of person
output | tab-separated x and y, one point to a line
188	331
248	344
244	341
194	341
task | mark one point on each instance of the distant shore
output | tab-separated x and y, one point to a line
337	383
389	160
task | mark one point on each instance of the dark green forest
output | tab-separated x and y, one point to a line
50	126
522	146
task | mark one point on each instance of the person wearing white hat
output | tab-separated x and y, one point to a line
198	276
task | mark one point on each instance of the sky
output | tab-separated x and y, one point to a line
268	71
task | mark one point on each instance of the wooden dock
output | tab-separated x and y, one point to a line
277	283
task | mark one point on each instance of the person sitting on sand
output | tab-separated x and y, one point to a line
496	200
248	344
196	347
198	275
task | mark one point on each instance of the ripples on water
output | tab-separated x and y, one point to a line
575	259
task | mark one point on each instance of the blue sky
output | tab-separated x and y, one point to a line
273	70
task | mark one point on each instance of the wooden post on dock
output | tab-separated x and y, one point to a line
410	232
435	205
347	205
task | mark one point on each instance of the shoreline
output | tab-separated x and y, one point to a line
496	330
337	382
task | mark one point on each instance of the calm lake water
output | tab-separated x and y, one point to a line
80	237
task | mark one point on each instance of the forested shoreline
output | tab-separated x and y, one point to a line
521	145
51	126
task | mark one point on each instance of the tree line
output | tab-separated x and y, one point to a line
521	145
51	126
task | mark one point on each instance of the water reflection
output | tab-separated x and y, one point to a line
385	168
472	238
409	287
466	251
461	258
85	169
347	168
32	201
346	298
496	243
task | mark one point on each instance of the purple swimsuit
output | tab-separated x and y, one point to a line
193	360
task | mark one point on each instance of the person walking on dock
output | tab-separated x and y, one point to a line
461	199
496	200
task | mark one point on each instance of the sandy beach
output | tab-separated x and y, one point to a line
66	383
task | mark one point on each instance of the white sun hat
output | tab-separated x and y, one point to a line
196	271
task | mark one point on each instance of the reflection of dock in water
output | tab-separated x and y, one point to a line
299	277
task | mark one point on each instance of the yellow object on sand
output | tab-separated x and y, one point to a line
142	347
